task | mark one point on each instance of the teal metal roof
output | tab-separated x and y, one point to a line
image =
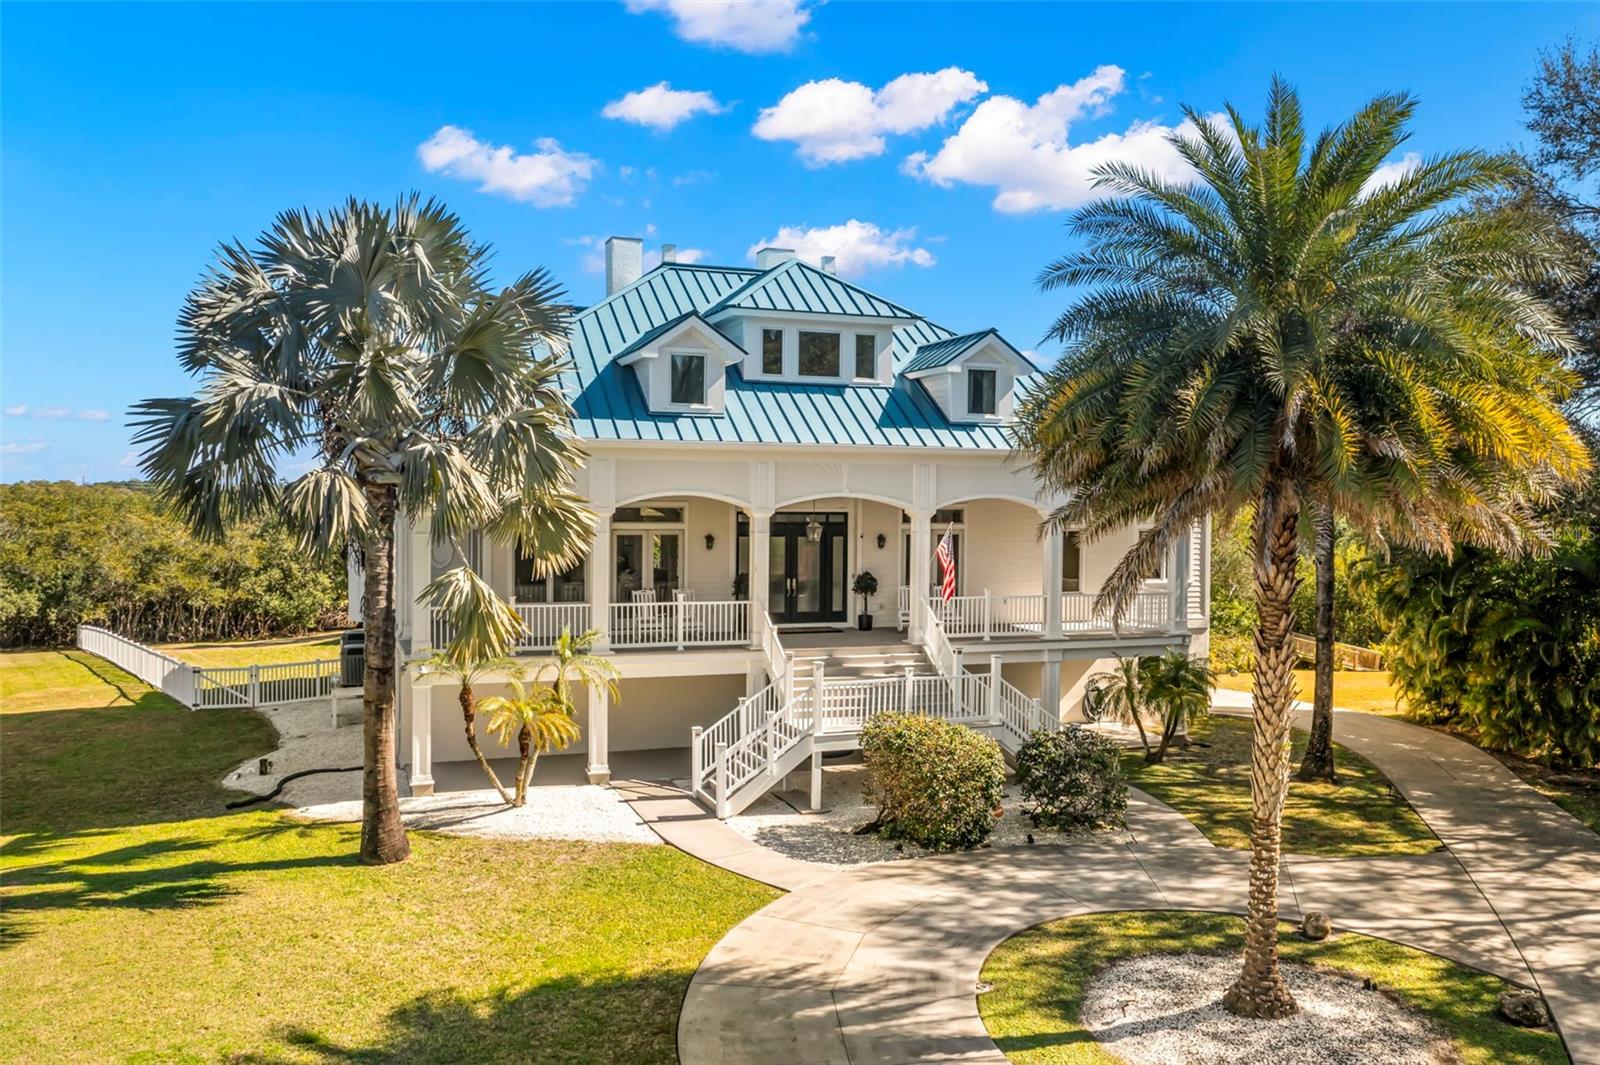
610	406
798	287
648	335
944	352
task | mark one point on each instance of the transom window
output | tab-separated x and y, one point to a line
980	392
819	354
648	515
1071	561
866	355
772	351
688	378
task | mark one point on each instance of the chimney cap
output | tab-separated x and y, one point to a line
828	264
767	258
669	253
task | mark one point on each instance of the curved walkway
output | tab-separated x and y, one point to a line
879	964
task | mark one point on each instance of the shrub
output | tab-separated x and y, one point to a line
1073	778
936	784
1233	654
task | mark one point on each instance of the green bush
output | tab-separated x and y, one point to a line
936	784
1073	778
1233	654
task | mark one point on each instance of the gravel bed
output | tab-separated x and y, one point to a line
577	811
829	839
308	739
1161	1009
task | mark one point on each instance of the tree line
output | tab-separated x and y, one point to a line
110	555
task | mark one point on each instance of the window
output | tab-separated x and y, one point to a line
866	355
671	515
980	392
688	378
566	587
1071	562
819	354
772	351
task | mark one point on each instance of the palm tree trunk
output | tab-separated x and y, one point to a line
1260	991
469	714
1317	763
1169	729
524	761
383	833
1144	740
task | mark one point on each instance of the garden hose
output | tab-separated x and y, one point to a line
273	794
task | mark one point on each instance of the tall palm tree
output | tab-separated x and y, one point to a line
1317	761
467	672
1284	327
371	342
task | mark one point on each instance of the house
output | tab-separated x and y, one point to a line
757	438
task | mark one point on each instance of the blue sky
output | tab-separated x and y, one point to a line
135	138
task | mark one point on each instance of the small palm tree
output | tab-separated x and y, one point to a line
540	722
573	661
466	672
370	341
1286	327
1180	687
1123	691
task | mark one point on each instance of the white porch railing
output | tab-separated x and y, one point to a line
934	640
213	687
681	623
847	705
1149	612
989	615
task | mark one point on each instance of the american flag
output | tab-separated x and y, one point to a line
946	554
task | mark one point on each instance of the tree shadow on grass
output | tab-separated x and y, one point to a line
570	1019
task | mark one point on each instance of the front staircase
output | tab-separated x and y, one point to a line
819	699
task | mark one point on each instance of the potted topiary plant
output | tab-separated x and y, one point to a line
866	586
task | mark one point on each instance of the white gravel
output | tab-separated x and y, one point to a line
829	839
308	739
1163	1009
581	811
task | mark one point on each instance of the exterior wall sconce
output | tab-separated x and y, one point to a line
882	541
711	541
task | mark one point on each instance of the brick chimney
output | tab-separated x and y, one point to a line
624	262
767	258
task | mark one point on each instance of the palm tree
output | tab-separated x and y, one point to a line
1180	686
370	342
536	716
572	660
1317	761
1123	691
467	672
1286	327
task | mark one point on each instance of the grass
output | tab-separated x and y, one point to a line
1370	691
142	923
1576	791
1039	978
1210	785
313	648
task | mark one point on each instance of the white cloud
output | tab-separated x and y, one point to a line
22	410
858	247
1391	172
662	107
753	26
18	410
832	121
128	461
693	177
52	412
548	177
22	449
1026	154
688	256
93	415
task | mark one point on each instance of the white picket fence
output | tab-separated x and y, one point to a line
206	687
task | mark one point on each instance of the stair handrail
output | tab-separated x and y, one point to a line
934	640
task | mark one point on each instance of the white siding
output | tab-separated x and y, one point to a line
1002	549
709	574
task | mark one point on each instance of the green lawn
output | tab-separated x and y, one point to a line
1039	977
1576	791
317	647
1210	785
140	923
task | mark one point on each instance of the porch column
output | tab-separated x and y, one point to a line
1178	582
921	559
600	568
599	744
412	576
1052	580
420	778
1050	685
760	574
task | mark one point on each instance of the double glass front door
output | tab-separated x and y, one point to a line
807	576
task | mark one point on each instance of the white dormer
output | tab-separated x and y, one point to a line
681	366
972	377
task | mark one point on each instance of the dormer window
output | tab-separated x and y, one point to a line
819	354
866	355
688	378
772	352
980	391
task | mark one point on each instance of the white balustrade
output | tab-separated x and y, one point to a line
213	687
681	623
